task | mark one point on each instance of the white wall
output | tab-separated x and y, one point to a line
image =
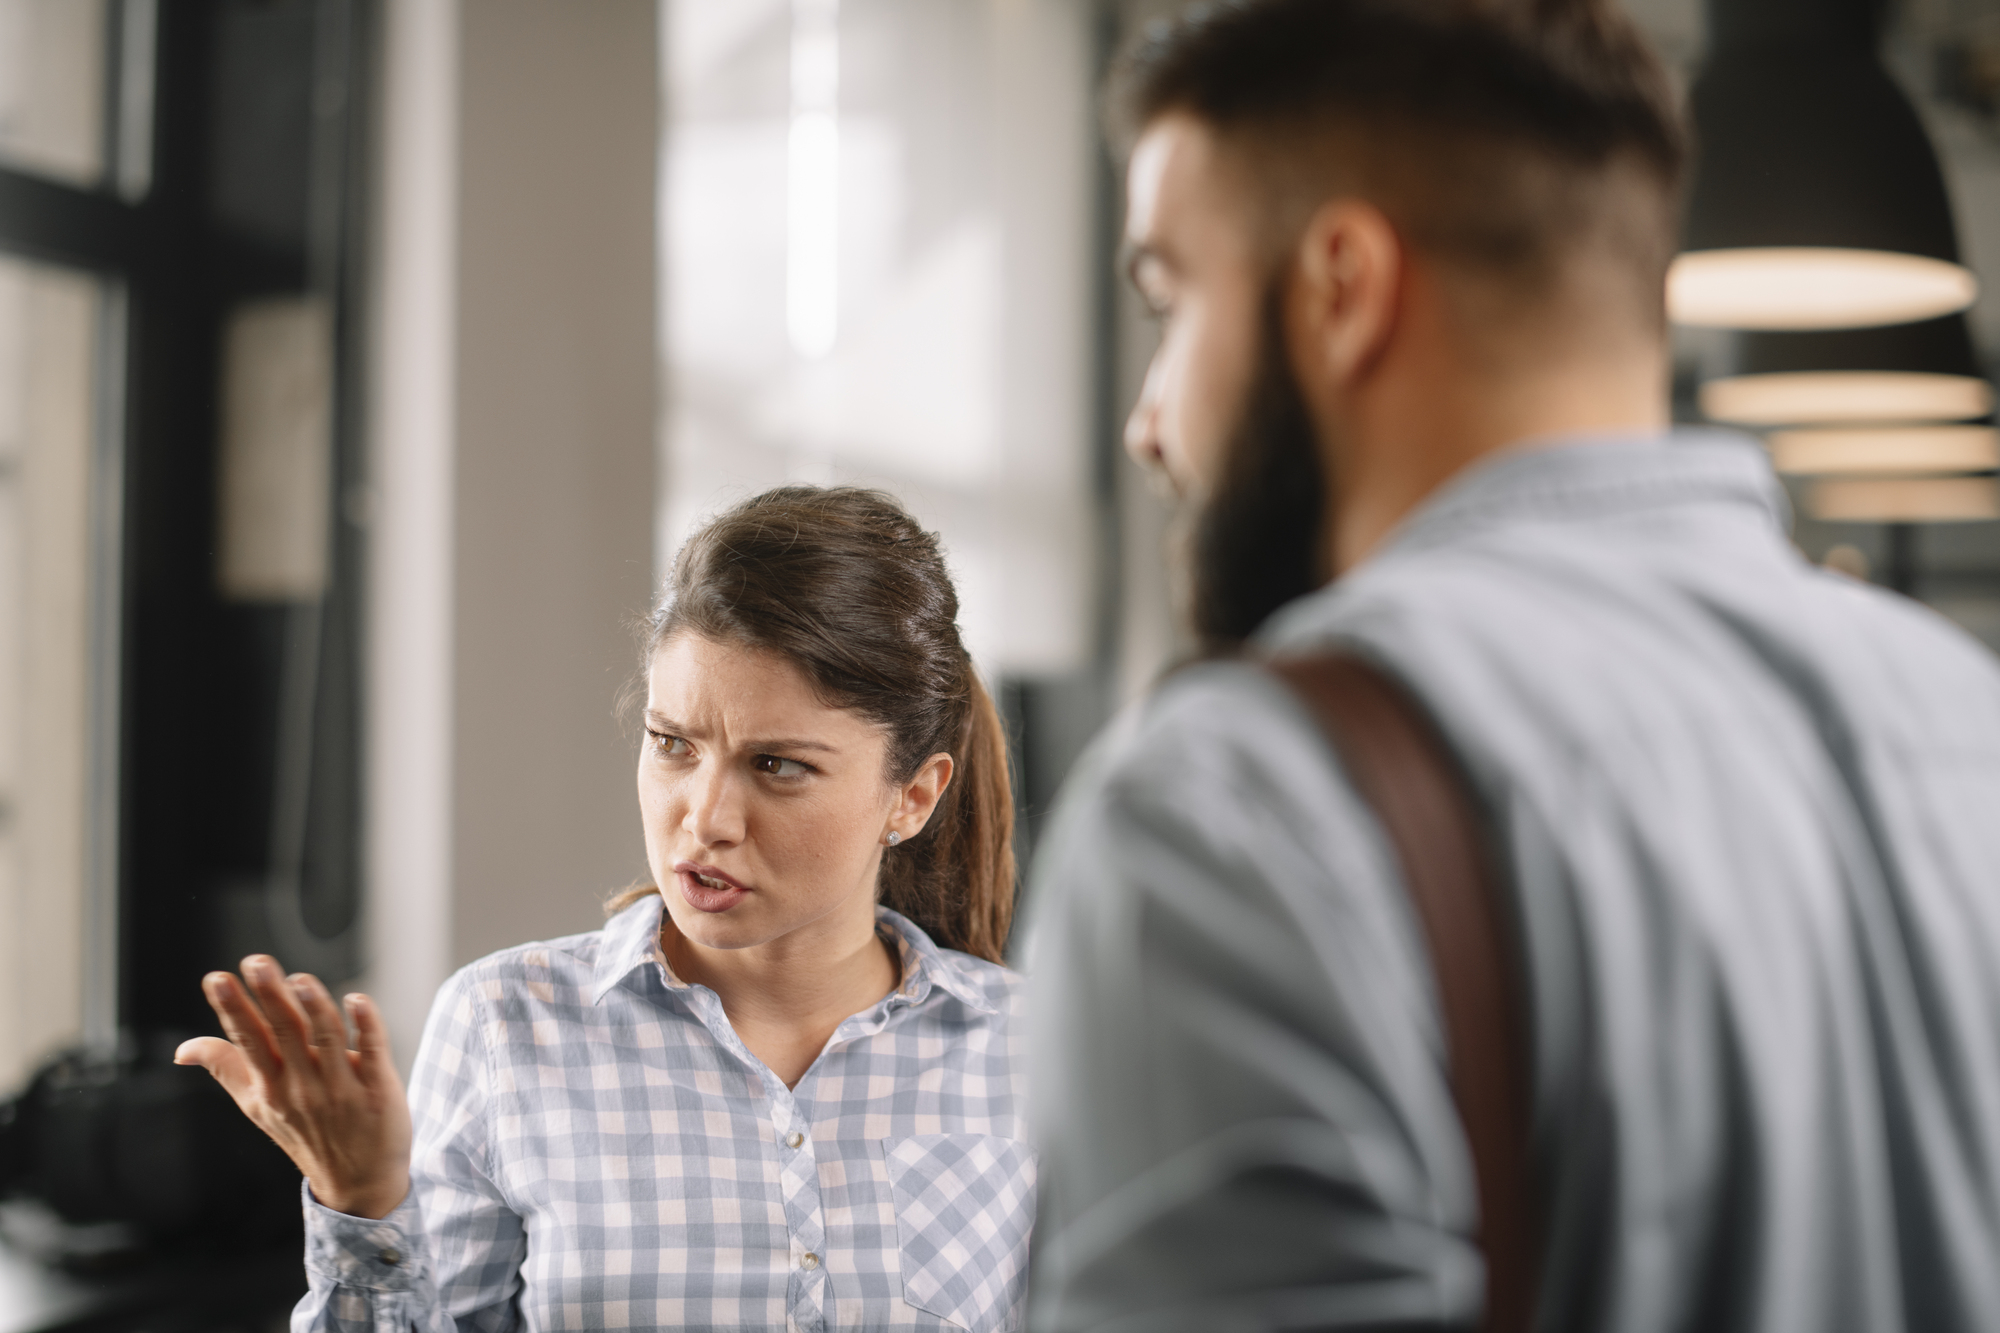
957	237
514	414
50	958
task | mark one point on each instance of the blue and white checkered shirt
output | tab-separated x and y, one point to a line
596	1148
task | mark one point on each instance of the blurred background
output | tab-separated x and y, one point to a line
363	363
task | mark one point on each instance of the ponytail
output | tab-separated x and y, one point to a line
956	878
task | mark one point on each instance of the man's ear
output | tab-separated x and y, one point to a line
1344	293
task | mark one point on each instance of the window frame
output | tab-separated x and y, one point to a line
168	277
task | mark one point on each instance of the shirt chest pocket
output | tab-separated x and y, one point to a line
964	1206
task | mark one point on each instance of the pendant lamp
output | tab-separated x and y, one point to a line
1817	201
1884	450
1844	396
1926	371
1904	500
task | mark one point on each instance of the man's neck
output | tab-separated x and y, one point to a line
1415	431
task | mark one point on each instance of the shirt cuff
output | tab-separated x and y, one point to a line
374	1254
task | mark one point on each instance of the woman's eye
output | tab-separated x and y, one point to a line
779	767
668	745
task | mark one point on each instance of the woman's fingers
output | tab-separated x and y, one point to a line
373	1063
246	1027
281	1009
229	1066
325	1030
338	1113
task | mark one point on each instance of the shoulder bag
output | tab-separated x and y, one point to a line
1399	763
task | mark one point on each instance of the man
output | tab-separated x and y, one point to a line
1409	258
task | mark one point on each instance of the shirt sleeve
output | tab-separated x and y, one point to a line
448	1259
1237	1078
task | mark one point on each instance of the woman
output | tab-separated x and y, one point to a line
780	1090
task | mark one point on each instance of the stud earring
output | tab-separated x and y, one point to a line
894	837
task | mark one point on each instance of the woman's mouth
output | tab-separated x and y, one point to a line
707	889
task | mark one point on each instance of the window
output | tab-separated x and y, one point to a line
54	694
181	507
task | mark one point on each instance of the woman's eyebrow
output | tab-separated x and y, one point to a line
820	746
661	722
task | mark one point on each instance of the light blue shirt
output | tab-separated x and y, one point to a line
1749	812
597	1149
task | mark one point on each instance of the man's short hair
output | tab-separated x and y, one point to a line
1502	136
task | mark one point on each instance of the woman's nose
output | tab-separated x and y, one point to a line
714	815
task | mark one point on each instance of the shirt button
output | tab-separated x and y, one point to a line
391	1257
810	1262
794	1139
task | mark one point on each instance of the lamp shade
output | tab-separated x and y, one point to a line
1905	500
1885	450
1925	371
1807	145
1826	396
1806	287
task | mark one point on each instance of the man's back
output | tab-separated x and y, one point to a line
1746	807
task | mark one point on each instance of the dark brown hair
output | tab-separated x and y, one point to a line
1495	133
846	586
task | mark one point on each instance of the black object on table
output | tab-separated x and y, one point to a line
142	1201
181	1292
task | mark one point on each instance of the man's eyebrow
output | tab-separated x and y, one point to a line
661	722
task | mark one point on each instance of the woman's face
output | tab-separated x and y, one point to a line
766	810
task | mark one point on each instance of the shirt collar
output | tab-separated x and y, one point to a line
1571	477
631	941
925	965
1584	476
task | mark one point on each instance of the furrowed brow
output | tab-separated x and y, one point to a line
773	746
661	722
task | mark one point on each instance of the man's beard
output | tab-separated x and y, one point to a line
1257	542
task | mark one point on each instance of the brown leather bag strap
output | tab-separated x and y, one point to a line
1398	762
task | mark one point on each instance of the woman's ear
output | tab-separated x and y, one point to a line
918	798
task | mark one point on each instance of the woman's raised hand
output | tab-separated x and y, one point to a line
338	1113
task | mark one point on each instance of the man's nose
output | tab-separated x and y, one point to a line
1142	426
714	815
